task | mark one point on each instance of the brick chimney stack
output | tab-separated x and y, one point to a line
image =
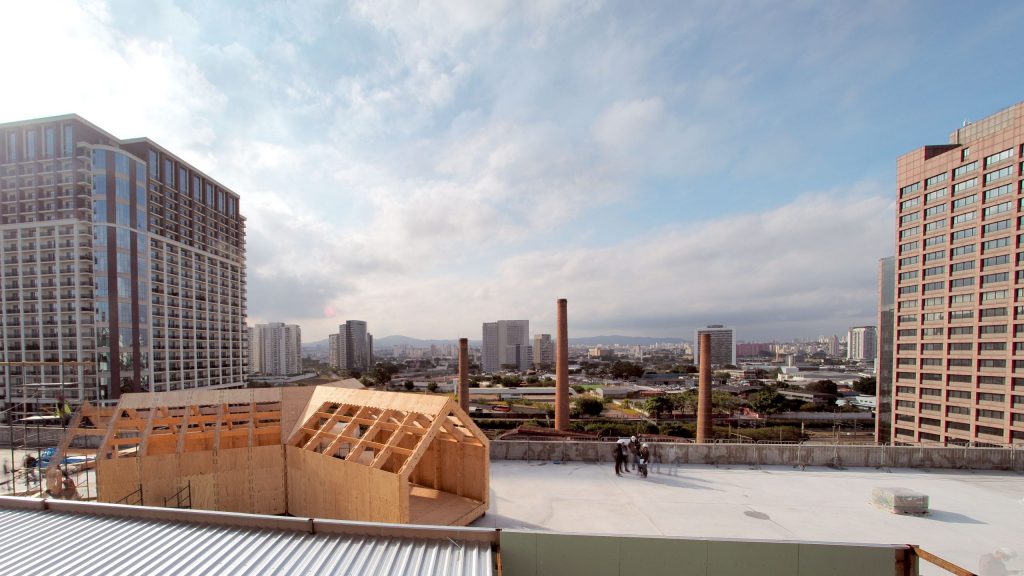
704	431
464	374
562	370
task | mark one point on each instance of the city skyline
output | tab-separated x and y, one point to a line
661	169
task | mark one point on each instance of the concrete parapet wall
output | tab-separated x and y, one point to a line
842	455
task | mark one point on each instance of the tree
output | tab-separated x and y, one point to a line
823	387
622	370
589	406
382	372
657	405
686	402
724	402
865	386
767	401
409	385
432	387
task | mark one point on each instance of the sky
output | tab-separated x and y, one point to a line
429	166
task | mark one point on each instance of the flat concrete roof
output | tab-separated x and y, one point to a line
972	513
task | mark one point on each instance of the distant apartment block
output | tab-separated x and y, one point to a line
506	345
276	349
723	345
351	348
752	349
959	353
123	268
543	351
862	344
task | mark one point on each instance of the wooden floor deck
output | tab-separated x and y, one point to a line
429	506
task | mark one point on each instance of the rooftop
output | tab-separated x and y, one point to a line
972	513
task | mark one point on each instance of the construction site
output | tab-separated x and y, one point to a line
337	479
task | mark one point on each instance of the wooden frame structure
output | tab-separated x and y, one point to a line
322	452
388	457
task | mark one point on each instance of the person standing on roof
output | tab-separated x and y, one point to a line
634	451
620	457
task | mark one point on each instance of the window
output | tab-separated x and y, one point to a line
995	414
995	227
991	363
912	231
932	256
997	192
910	189
936	195
961	266
960	347
905	347
933	271
930	302
941	177
930	361
961	250
993	312
910	203
123	215
991	397
907	247
994	295
933	286
965	169
935	211
30	145
904	404
965	201
934	241
958	378
935	225
905	318
965	217
930	347
997	209
960	331
182	180
931	332
965	185
908	261
992	346
908	275
961	283
994	244
906	332
995	261
990	431
960	394
961	234
995	278
908	305
49	142
992	329
1004	172
154	165
965	153
961	315
998	157
958	410
908	290
930	407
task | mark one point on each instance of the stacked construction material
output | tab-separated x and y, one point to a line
900	500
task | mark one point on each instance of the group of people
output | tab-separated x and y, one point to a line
631	452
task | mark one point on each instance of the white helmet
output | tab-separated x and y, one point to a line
632	438
644	445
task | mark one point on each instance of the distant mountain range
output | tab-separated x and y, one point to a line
611	340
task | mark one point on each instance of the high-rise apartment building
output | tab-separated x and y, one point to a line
506	345
123	267
960	287
862	344
886	347
352	347
723	345
543	351
275	349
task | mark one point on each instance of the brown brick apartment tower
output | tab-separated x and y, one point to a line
958	368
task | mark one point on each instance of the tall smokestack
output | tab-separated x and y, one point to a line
704	390
562	370
464	374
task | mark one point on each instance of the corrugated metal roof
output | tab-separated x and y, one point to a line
49	542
